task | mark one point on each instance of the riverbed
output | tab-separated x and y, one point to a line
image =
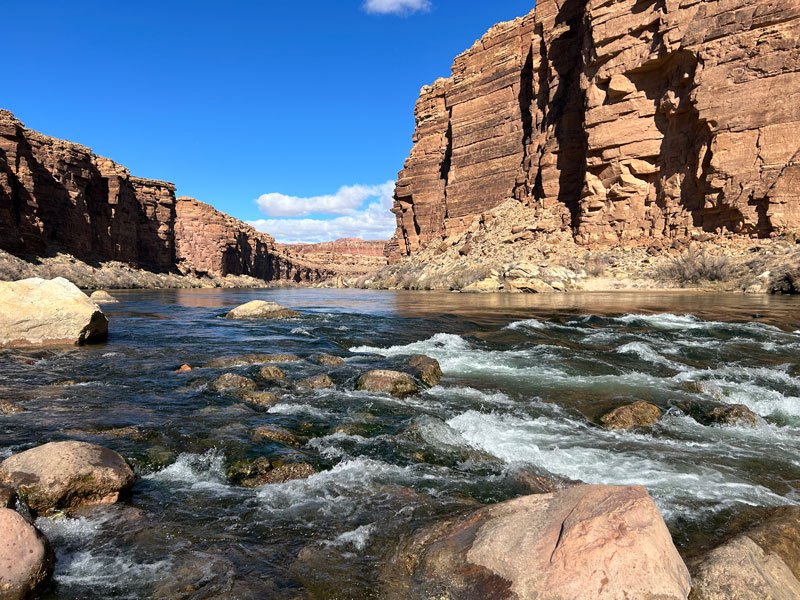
525	379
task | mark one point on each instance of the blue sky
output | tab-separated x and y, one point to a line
295	116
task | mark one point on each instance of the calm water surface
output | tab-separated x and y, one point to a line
524	376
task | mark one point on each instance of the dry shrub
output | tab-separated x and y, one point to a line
694	266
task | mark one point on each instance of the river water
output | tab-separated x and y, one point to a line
524	379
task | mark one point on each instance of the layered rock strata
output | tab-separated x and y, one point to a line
634	122
59	197
345	255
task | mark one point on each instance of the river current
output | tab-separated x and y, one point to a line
525	378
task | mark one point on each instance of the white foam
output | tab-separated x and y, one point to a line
299	409
197	471
94	570
528	324
674	473
357	539
301	331
646	352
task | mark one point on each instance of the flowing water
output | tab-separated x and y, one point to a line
525	378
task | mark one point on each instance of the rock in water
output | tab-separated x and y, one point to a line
426	368
329	360
638	414
232	381
317	382
260	309
588	542
26	558
762	562
102	297
733	415
391	382
40	312
66	476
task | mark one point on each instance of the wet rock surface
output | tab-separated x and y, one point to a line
66	476
390	382
638	414
316	382
26	558
261	309
233	381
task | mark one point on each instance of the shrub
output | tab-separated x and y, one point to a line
694	266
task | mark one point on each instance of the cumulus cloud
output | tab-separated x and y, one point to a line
359	218
396	7
344	202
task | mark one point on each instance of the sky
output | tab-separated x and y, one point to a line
292	116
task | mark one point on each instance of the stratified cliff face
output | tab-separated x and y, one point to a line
345	255
623	122
58	196
211	241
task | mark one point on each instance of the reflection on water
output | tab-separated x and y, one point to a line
525	379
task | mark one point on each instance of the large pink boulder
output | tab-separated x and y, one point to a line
587	542
66	475
26	558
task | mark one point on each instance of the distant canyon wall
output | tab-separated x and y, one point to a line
345	255
624	122
57	196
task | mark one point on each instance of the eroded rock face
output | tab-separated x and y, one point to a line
26	558
66	476
55	194
39	312
260	309
345	255
619	122
391	382
589	541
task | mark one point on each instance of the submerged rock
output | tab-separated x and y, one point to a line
761	562
260	309
329	360
317	382
426	368
102	297
265	399
589	541
184	368
10	408
39	312
274	433
249	473
26	558
734	414
243	360
638	414
289	472
391	382
271	372
66	476
232	381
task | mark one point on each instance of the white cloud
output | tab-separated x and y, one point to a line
396	7
372	221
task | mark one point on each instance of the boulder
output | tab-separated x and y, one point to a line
102	297
391	382
66	476
587	542
756	560
733	415
288	472
426	368
39	312
638	414
271	372
250	359
329	360
184	368
26	558
249	473
490	284
265	399
260	309
317	382
232	381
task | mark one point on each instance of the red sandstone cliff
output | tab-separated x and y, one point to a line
622	122
345	255
57	196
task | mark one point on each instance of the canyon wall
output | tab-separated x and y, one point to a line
57	196
621	121
345	255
